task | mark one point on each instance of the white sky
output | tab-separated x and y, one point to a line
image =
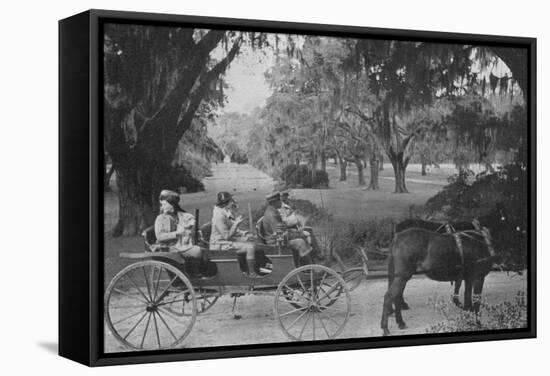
245	77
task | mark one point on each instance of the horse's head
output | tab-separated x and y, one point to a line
496	219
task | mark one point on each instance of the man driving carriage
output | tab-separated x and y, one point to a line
297	223
173	230
225	233
273	226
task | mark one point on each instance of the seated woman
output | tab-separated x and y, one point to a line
173	229
226	234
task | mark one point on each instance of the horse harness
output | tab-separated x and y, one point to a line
479	230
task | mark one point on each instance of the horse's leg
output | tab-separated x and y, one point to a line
478	287
456	296
390	299
391	272
468	294
401	282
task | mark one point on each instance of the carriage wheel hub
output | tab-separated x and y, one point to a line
151	307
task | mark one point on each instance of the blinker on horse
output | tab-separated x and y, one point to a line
442	257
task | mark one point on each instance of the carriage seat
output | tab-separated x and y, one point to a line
150	241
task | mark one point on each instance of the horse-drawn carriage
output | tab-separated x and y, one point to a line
153	303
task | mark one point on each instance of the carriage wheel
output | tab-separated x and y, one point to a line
312	302
139	306
353	277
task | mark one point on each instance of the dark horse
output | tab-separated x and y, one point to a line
423	248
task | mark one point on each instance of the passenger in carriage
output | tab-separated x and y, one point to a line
297	223
174	229
226	234
273	225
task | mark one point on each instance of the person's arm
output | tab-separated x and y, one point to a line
162	229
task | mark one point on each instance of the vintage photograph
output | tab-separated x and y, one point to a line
264	188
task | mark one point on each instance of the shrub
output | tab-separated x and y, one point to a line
465	198
301	176
374	236
506	315
180	179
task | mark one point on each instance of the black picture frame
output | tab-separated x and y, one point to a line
80	155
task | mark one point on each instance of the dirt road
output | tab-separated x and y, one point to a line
217	327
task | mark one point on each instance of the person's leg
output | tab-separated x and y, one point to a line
303	249
314	243
249	250
194	255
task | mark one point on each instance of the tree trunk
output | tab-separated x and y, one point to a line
399	166
343	169
323	162
360	172
424	163
381	162
107	178
136	203
374	168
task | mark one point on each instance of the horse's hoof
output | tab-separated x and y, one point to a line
402	325
386	332
405	306
457	303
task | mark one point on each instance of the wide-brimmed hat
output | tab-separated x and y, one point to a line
173	198
272	197
224	198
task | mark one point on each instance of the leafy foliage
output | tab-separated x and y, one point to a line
464	199
506	315
301	176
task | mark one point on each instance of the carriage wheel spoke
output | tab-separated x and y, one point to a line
165	324
326	294
331	319
145	331
127	317
158	282
135	326
161	295
300	282
296	294
147	283
127	275
157	329
125	306
171	302
292	311
296	320
129	296
313	321
323	325
304	327
336	309
320	286
170	314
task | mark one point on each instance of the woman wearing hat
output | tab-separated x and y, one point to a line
173	229
226	233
